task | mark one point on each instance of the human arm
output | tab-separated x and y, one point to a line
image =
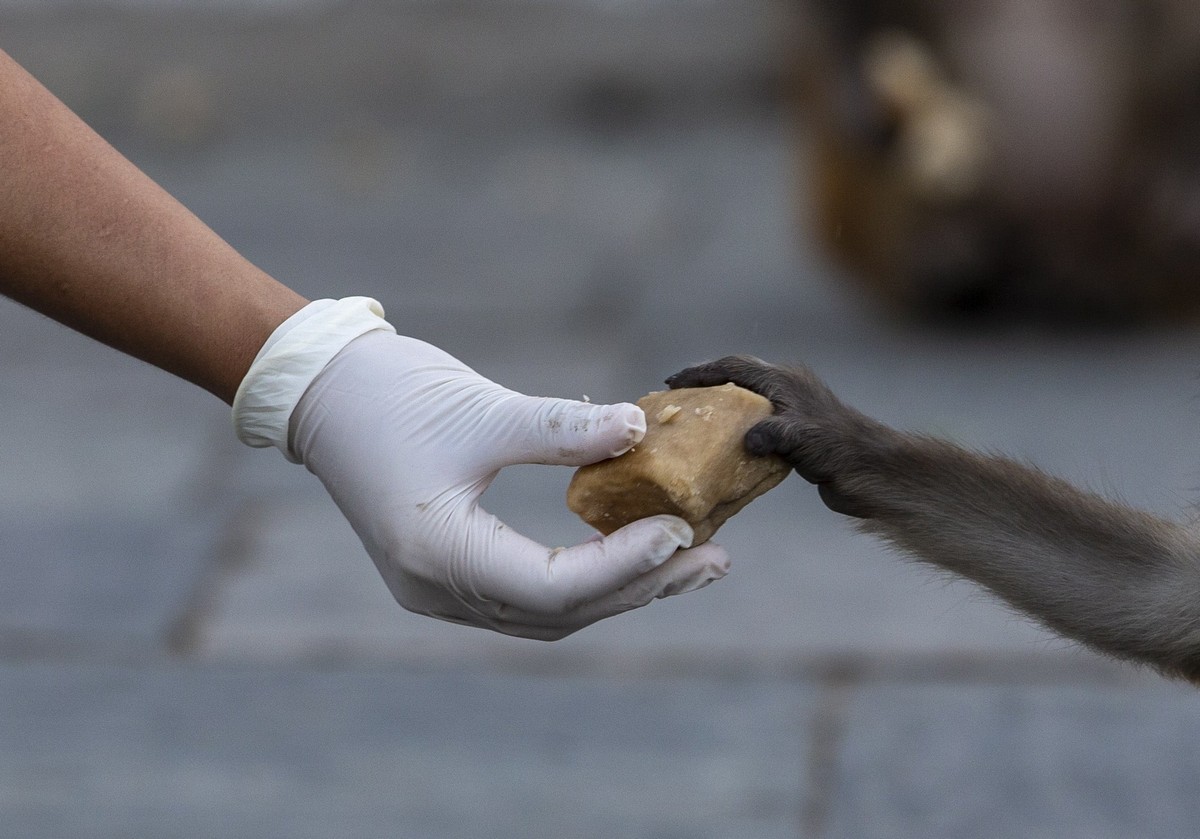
1121	580
88	239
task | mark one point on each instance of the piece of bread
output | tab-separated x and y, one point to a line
692	463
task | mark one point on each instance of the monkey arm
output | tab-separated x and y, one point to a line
1117	579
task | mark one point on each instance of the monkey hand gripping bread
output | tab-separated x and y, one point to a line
690	464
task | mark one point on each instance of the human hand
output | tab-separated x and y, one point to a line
827	442
406	439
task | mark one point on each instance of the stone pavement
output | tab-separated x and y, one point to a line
576	200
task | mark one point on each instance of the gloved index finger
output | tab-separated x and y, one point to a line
565	432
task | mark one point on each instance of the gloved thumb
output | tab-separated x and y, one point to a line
564	432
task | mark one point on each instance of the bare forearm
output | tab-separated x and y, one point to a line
89	240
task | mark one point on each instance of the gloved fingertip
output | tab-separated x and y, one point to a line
677	529
624	424
697	568
572	433
652	540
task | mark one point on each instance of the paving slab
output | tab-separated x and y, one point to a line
90	432
110	586
94	752
959	762
108	522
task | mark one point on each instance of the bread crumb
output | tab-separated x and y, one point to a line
668	413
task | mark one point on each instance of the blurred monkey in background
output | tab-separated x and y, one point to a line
982	157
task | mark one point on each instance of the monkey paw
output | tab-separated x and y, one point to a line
827	442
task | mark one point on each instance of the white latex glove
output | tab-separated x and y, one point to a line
406	438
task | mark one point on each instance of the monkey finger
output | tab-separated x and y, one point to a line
768	437
745	371
785	437
789	388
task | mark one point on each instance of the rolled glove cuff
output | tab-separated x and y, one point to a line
296	352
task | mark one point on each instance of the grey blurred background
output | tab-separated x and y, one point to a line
575	198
